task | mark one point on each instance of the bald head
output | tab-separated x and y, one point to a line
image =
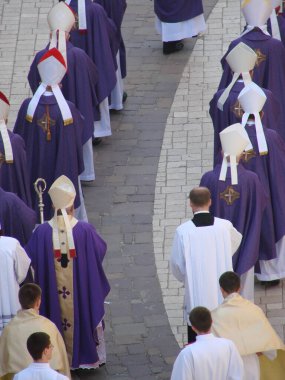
200	198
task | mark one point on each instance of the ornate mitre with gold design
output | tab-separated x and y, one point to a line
4	111
52	69
234	140
62	193
241	60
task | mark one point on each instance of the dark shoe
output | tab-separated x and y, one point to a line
172	47
96	141
125	95
268	284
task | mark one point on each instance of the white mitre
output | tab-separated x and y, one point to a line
256	14
62	193
241	60
252	99
82	22
60	20
234	140
52	69
4	112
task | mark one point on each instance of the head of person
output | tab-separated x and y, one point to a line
200	320
30	297
40	347
200	199
229	283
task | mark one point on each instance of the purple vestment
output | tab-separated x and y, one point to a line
176	11
269	70
270	169
100	42
79	85
14	176
16	218
281	24
244	208
232	113
115	10
90	285
50	159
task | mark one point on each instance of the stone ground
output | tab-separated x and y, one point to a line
161	144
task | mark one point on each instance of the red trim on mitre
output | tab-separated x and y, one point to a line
82	31
53	53
57	253
74	13
3	97
72	253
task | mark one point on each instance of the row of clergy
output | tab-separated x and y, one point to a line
64	257
249	128
75	79
246	187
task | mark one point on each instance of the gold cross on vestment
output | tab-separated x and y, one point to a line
237	109
45	122
229	195
260	57
247	156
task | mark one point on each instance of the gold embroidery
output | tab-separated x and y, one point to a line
29	118
247	156
45	122
64	279
68	121
2	159
237	109
229	195
260	57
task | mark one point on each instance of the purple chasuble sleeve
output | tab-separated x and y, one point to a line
177	11
115	10
90	285
242	204
79	85
270	169
14	176
16	218
100	42
49	159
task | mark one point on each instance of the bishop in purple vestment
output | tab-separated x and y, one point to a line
243	204
52	129
16	218
99	40
70	273
232	113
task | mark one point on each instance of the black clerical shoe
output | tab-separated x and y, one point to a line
172	47
96	141
125	95
268	284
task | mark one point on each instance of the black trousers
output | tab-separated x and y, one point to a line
191	334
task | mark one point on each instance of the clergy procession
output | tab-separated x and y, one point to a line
53	284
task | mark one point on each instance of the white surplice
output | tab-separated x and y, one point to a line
39	371
199	256
209	358
14	266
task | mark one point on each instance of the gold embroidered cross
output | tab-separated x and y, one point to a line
229	195
260	57
45	122
247	156
237	110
